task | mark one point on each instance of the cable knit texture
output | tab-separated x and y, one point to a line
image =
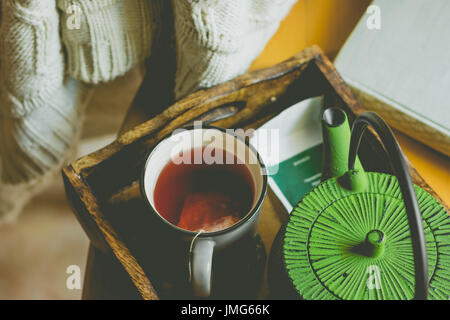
49	49
38	109
113	36
217	40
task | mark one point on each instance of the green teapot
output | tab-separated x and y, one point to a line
362	235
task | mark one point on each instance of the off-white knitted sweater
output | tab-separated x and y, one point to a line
50	48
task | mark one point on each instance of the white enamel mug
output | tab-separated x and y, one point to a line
204	244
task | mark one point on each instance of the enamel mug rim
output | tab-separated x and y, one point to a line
255	208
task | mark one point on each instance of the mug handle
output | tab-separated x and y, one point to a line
201	267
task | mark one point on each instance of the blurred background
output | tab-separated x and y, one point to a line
47	238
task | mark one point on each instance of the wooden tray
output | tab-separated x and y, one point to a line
102	187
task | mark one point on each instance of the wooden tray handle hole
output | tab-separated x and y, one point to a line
218	113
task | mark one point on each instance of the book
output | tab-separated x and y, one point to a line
295	167
401	68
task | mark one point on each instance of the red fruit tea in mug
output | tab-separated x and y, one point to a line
208	197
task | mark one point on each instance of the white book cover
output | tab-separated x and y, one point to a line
295	168
400	67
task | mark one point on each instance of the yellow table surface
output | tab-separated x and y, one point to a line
328	23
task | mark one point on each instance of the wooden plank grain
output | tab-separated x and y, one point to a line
101	229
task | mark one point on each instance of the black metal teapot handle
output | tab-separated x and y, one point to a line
400	169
